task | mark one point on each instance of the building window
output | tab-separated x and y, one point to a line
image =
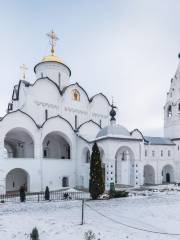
100	123
145	153
161	153
68	150
65	182
153	153
75	95
169	111
46	114
76	121
88	156
169	153
59	80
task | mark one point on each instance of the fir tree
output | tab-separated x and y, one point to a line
34	235
96	184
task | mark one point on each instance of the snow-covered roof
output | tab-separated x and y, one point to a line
114	129
158	141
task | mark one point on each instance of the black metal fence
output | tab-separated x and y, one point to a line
39	196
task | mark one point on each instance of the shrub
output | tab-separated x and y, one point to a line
118	194
34	235
22	194
89	235
47	194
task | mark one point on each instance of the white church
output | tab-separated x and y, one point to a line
47	135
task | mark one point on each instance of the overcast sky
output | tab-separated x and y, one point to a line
125	49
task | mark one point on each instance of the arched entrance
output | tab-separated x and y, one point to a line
56	145
167	174
19	143
149	175
17	178
124	166
86	156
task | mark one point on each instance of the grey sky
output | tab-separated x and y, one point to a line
125	49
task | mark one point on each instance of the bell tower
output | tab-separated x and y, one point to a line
172	108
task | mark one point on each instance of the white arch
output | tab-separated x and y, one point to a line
16	178
19	120
56	145
149	174
19	143
167	174
124	166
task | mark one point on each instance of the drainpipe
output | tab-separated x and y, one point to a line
41	159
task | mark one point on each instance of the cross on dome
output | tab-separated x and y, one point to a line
52	40
24	69
113	112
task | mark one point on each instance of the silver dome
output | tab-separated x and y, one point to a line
114	129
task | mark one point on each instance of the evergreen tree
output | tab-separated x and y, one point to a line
34	235
47	194
96	183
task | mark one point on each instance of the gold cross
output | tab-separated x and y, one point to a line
23	71
52	40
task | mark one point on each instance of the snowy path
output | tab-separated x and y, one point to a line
60	220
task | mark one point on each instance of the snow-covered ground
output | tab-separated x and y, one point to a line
61	220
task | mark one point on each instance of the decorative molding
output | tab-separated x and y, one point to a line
44	104
74	110
99	115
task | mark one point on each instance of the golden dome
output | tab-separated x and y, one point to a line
51	58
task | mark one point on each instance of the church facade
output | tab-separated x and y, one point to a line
50	126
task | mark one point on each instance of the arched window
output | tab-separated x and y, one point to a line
161	153
153	153
75	95
169	153
169	111
145	153
65	182
179	107
88	156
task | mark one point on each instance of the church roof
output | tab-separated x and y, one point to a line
158	141
114	129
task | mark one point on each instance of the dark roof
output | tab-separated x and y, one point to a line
158	141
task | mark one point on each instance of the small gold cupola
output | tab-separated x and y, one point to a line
52	40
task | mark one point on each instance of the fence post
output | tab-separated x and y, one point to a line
82	215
